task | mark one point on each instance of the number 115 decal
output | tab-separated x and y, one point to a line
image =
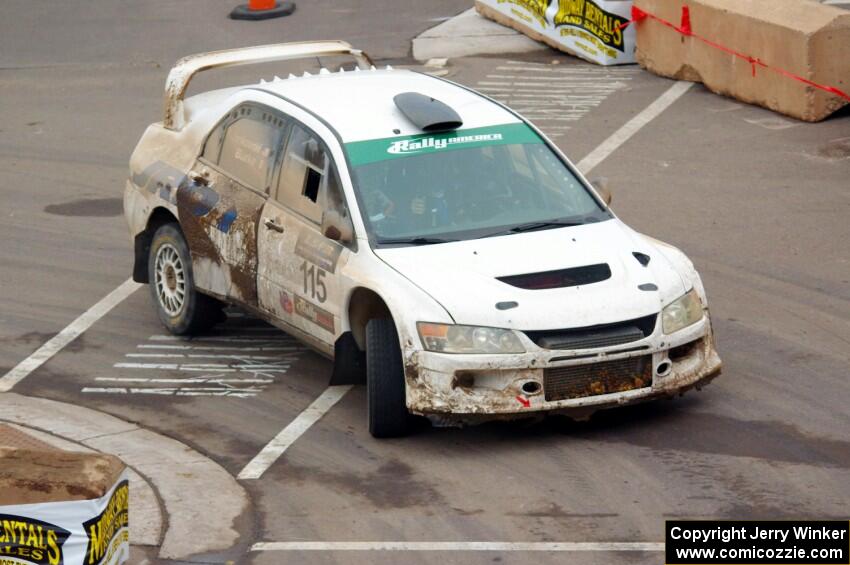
314	284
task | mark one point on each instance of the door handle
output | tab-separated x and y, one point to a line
272	225
200	179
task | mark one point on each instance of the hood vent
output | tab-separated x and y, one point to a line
642	258
426	113
575	276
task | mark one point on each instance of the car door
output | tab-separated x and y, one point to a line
221	202
299	268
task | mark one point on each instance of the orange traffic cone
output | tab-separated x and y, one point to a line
262	10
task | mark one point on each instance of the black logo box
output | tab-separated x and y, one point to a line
741	533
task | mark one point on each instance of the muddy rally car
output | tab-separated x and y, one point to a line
427	238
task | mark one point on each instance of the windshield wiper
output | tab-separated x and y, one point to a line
534	226
415	241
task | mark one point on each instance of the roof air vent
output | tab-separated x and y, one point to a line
427	113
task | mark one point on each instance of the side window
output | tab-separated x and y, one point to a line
245	145
308	181
212	147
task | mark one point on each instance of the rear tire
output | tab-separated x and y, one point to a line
388	415
181	308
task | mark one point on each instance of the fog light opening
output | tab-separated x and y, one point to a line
685	350
463	380
663	369
531	387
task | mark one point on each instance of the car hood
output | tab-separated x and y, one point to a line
462	277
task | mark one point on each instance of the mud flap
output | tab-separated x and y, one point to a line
141	249
349	362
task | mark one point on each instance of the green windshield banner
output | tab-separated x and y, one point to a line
373	150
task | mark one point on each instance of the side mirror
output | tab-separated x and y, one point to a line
337	227
602	188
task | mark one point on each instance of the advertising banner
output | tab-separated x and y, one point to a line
590	29
80	532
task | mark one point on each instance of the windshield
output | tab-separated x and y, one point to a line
465	184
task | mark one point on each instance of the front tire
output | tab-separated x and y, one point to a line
388	415
181	308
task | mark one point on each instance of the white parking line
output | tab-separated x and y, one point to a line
457	546
248	368
553	95
201	356
58	342
190	380
220	348
287	436
223	339
226	390
634	125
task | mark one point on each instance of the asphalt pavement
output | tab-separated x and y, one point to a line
758	201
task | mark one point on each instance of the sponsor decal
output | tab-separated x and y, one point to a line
373	150
407	146
159	177
107	532
536	8
286	302
596	30
227	219
319	250
587	15
313	313
200	199
30	541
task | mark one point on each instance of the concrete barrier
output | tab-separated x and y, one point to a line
62	507
749	50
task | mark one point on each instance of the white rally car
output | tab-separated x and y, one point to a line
424	236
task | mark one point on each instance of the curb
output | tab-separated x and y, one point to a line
191	486
467	34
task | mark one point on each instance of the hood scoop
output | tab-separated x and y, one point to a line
575	276
426	113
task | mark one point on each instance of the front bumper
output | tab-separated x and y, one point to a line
480	387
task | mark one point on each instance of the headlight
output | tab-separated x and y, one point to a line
450	338
681	313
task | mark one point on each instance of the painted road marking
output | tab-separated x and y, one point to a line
192	380
202	356
215	348
193	371
279	338
55	344
504	546
634	125
551	95
275	448
252	367
181	391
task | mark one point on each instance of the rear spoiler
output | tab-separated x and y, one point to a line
187	67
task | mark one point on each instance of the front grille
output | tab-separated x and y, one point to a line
580	381
595	336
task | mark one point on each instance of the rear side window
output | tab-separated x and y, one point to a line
245	145
305	175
